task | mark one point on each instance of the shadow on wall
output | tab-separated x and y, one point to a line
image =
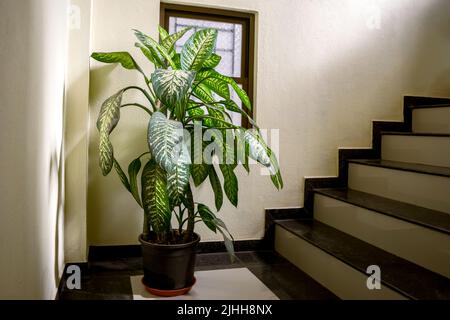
126	147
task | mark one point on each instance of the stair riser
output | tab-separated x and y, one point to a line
343	280
423	246
428	150
431	120
429	191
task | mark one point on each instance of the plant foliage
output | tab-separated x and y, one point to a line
184	93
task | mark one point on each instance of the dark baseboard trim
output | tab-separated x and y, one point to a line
279	214
84	271
99	253
378	127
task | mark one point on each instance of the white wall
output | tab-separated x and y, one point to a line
32	51
325	70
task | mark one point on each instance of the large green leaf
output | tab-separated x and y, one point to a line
155	46
163	136
257	148
207	216
218	86
242	149
151	55
123	177
107	120
155	200
172	86
227	240
124	58
178	176
230	183
259	151
210	73
133	170
214	82
199	169
197	49
223	144
212	62
232	106
169	42
163	34
216	186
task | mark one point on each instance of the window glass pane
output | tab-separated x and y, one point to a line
229	41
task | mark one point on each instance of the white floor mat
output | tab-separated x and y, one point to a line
225	284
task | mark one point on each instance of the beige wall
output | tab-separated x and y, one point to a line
76	131
32	51
325	70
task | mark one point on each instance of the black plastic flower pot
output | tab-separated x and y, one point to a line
169	266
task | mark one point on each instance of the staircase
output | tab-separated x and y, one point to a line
388	207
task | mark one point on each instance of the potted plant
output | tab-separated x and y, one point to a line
186	97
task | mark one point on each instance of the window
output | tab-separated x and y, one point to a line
235	42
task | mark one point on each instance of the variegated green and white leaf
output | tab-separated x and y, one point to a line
169	42
210	73
172	86
151	55
178	176
157	48
218	86
212	62
203	93
133	171
223	141
123	177
163	136
230	183
197	49
193	112
257	149
124	58
163	34
107	120
155	200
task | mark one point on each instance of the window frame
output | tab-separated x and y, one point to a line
246	19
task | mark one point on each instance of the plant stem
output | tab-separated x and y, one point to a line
146	228
190	227
137	105
147	152
143	91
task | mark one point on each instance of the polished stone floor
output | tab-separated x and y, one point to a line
110	278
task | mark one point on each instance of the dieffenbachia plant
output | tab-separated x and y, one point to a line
184	92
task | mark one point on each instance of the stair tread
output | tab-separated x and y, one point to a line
429	218
424	134
397	273
405	166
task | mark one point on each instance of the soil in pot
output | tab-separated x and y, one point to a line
169	266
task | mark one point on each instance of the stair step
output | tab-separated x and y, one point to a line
434	118
405	166
414	233
420	148
433	219
398	275
421	185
